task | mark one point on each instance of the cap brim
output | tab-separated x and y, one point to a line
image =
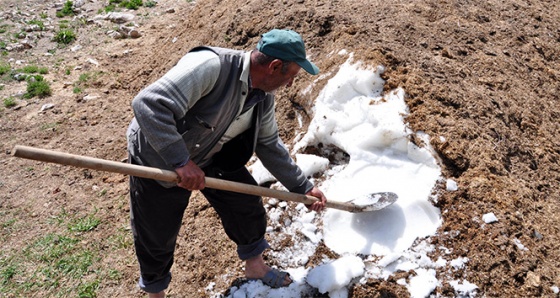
308	66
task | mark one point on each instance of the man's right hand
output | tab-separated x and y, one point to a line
191	177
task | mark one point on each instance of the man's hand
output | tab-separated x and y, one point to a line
191	177
319	205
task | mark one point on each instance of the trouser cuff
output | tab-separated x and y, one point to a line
155	286
252	250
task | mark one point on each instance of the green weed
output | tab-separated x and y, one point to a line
49	126
61	263
38	23
39	88
84	77
30	69
7	272
9	102
4	69
66	10
84	224
130	4
65	36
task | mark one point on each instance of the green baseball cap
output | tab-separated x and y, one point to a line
286	45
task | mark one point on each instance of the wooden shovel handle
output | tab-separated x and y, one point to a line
164	175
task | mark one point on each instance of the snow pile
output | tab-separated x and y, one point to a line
363	132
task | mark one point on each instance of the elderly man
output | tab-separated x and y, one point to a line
206	117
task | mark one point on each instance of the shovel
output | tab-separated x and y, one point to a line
371	202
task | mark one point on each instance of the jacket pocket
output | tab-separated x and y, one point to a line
199	135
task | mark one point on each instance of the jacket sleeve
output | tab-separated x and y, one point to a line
161	104
275	156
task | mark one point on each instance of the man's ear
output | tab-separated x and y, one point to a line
275	65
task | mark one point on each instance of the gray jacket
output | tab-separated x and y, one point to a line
169	129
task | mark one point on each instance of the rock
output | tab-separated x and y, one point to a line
47	106
537	235
90	97
78	3
114	34
26	44
115	17
76	48
126	31
533	280
15	47
32	28
93	61
134	33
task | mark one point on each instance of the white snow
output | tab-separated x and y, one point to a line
489	217
340	273
364	130
464	288
451	185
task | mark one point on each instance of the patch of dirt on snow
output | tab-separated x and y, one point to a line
482	79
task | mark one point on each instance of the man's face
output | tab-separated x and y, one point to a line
281	74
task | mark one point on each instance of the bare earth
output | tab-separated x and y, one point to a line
485	76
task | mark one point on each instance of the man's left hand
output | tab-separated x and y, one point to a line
319	205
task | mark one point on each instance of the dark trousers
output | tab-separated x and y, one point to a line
157	212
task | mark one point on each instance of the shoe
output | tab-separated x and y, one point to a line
274	278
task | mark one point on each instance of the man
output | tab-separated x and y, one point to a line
206	117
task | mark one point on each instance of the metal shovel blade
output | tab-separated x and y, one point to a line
373	202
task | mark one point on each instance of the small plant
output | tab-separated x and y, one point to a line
43	15
39	88
30	69
4	69
9	102
65	36
40	24
43	70
109	8
77	90
130	4
133	4
84	77
84	224
7	273
63	263
66	10
20	35
63	24
50	126
150	3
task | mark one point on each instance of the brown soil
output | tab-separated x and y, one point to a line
484	76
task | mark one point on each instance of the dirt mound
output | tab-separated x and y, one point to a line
482	79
